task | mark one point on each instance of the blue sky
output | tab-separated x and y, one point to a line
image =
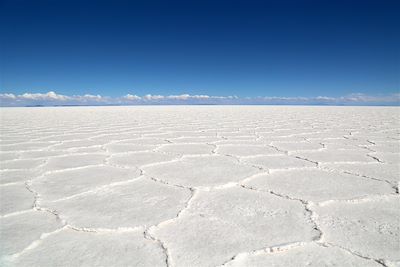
250	49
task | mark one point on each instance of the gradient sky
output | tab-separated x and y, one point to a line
244	48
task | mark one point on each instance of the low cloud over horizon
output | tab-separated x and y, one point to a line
53	99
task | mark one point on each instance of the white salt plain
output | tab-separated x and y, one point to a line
200	186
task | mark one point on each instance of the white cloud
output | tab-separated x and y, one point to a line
181	97
131	97
7	96
48	96
327	98
153	97
200	96
93	97
52	98
226	97
362	98
187	96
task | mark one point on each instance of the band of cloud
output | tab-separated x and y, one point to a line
51	98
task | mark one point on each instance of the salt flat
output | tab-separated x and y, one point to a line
200	186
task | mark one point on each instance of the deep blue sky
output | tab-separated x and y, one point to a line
244	48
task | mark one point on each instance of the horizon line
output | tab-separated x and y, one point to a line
53	99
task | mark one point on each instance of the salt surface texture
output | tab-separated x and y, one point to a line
200	186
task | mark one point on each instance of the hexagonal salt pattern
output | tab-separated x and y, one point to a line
139	159
370	227
199	186
200	171
21	230
137	203
187	149
309	254
319	185
73	248
14	198
222	223
63	184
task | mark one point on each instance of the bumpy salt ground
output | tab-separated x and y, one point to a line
200	186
